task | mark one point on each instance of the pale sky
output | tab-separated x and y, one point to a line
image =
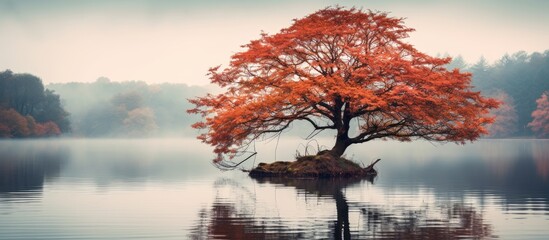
177	41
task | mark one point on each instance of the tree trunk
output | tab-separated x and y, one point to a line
340	146
342	229
342	125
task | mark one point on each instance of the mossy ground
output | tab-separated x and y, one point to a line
320	166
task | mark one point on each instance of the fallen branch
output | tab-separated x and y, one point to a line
371	166
229	165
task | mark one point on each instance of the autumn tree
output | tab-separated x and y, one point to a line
346	70
505	116
13	124
140	122
26	95
540	124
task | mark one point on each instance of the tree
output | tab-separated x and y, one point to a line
457	62
481	74
12	124
505	116
15	125
127	100
47	129
540	124
25	94
523	77
50	110
333	69
140	122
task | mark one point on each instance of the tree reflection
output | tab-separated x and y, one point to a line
225	222
540	154
26	170
456	221
236	218
325	187
228	219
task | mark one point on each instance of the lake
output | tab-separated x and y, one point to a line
168	189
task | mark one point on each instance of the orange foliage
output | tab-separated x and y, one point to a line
5	131
14	125
334	66
47	129
540	124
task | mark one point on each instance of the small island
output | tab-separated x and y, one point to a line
322	165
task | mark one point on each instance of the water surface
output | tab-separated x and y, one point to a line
167	189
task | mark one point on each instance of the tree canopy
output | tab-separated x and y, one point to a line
336	68
540	122
27	109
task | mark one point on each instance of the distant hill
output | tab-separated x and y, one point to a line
128	109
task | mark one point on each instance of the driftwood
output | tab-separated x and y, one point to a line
370	167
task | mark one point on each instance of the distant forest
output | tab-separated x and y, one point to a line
29	110
128	109
106	108
519	81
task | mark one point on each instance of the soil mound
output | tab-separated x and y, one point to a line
317	166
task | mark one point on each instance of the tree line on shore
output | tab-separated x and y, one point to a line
521	82
27	109
107	108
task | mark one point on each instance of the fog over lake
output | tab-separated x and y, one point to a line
167	189
103	103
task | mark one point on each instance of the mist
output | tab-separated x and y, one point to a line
105	108
136	109
448	99
177	41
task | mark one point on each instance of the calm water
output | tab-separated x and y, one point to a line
167	189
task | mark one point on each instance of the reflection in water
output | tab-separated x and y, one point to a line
512	169
232	217
541	158
25	164
25	170
503	156
111	161
325	188
225	222
239	218
456	221
167	189
500	159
